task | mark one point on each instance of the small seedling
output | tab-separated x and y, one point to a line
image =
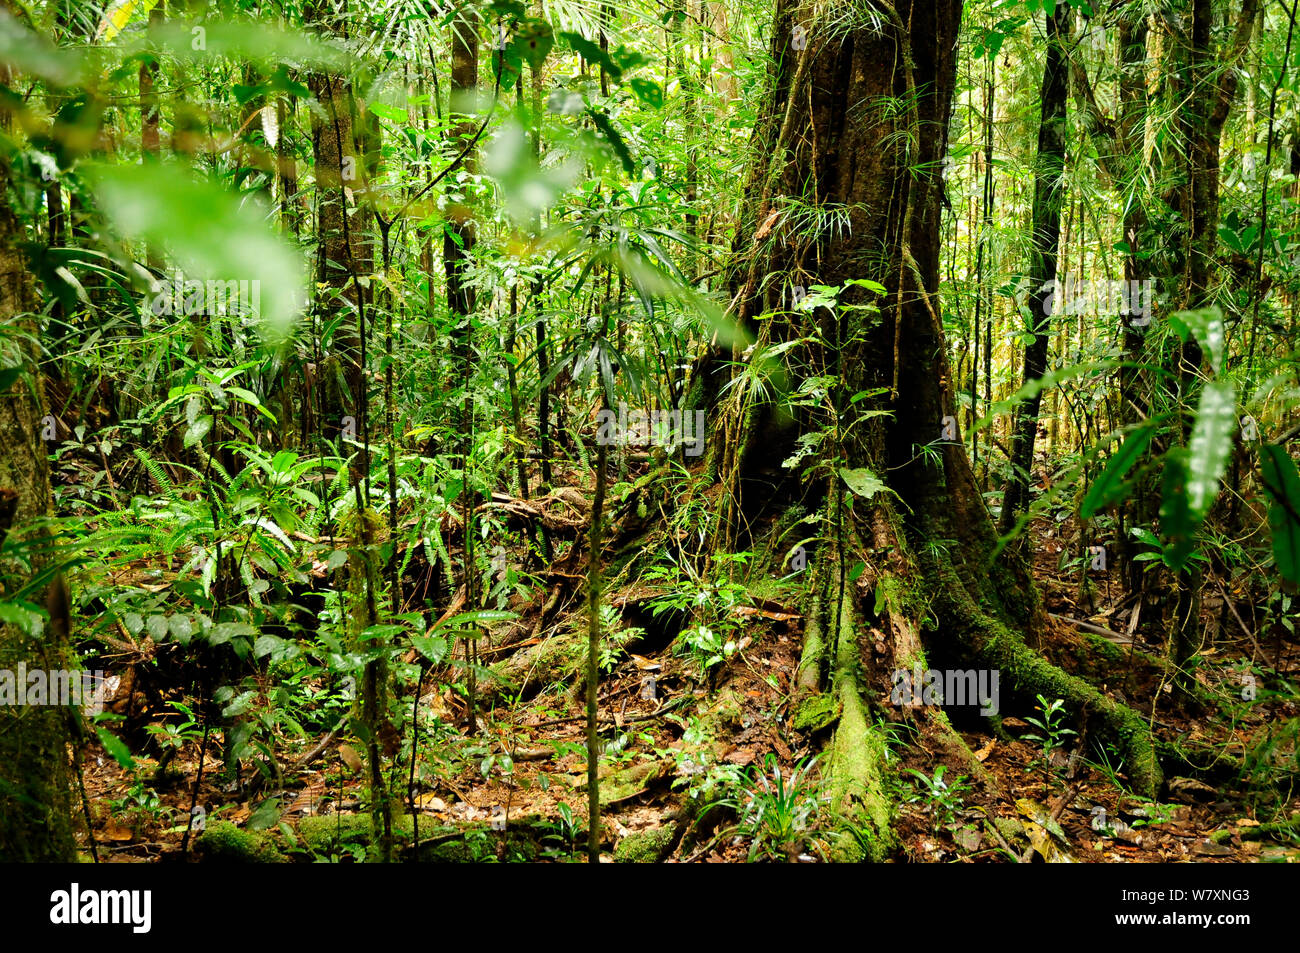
1051	733
942	799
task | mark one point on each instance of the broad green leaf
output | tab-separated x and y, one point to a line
266	644
592	53
648	91
181	628
157	626
863	482
875	287
213	235
391	113
1144	535
1109	487
239	705
433	648
534	41
197	430
23	615
1210	446
266	816
118	15
1207	325
1282	483
1176	523
116	748
25	51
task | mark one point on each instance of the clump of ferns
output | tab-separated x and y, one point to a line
831	221
839	18
760	375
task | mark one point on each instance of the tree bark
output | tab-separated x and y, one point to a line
857	121
340	254
35	779
1046	228
1212	86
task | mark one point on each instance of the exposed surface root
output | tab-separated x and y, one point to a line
857	755
994	644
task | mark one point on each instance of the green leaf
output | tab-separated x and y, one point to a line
1176	523
223	632
22	614
1109	487
158	627
592	53
1210	446
240	705
267	815
648	91
863	482
390	112
615	139
213	235
116	748
197	430
26	52
433	648
482	616
7	376
534	41
1144	535
1207	325
266	644
1282	483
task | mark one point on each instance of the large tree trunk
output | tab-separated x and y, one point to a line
340	251
150	117
458	232
457	244
1046	228
857	121
1212	82
35	780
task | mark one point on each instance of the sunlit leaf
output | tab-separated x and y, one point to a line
212	234
1210	446
118	15
1207	326
26	52
863	482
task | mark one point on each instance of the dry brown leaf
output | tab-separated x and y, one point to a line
645	664
350	757
766	227
117	832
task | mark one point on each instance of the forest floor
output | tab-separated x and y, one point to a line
515	788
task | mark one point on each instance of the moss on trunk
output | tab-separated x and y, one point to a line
35	777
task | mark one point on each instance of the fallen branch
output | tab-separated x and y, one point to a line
1110	634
